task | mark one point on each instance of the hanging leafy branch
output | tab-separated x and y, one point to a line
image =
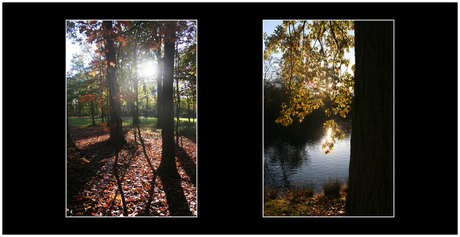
311	68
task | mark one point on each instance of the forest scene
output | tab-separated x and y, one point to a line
131	118
319	96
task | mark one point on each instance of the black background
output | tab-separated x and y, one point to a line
229	162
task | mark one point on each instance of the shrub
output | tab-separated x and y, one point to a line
270	194
331	187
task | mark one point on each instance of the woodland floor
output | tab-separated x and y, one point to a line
314	206
304	203
92	188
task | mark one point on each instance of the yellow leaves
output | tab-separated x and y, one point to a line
112	64
118	198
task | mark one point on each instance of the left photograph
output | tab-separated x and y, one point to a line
131	114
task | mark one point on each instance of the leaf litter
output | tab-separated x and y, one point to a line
92	188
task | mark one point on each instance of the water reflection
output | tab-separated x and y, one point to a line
295	156
328	142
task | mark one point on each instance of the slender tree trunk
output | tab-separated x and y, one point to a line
92	113
136	89
168	162
160	92
188	108
115	108
370	183
102	114
193	113
146	101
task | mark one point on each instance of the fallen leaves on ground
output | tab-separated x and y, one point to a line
92	188
318	205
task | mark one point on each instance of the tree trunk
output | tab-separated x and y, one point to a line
370	182
193	113
146	102
188	108
160	92
168	162
102	114
136	89
177	112
115	108
92	113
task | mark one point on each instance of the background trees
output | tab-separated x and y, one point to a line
122	52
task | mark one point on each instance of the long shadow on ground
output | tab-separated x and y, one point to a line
79	175
187	164
177	202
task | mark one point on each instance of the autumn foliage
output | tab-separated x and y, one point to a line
92	188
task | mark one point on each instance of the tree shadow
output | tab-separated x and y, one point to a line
186	163
80	173
87	132
151	193
90	132
178	205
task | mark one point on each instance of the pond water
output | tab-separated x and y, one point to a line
296	157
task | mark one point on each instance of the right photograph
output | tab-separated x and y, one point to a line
328	118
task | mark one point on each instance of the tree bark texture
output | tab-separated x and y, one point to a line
115	107
370	183
168	162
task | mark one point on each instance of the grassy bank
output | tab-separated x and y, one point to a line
301	200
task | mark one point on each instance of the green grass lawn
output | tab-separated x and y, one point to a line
187	129
86	121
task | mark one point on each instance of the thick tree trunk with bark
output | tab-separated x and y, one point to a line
115	107
168	162
370	183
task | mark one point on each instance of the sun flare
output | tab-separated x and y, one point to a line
149	69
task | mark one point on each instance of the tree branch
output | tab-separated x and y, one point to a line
346	39
333	35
